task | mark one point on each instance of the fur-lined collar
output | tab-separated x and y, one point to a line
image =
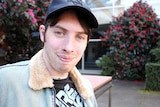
40	77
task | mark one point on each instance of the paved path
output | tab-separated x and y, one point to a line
130	94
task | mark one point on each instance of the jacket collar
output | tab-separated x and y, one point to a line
40	77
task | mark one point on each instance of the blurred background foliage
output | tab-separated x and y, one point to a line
130	38
19	23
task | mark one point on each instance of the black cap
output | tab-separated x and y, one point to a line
59	5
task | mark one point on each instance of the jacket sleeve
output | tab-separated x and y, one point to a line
91	102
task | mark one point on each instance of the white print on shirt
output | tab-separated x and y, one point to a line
68	98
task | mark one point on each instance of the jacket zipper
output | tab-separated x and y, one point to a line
53	97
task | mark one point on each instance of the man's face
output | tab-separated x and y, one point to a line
64	43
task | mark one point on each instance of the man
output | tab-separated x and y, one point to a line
50	78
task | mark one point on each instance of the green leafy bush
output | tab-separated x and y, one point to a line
156	52
153	69
152	76
107	65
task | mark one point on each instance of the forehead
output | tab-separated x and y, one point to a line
70	21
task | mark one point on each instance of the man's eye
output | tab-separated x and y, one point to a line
59	34
82	37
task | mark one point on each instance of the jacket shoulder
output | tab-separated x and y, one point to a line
14	70
14	65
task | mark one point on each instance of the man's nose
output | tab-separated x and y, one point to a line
69	44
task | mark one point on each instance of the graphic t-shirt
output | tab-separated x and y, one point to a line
66	94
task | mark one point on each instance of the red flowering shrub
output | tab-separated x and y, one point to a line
19	18
130	37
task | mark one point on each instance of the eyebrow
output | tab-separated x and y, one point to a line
64	29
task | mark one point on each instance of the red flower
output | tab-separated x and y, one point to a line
4	5
46	4
144	41
32	1
39	9
142	59
140	45
137	63
34	20
30	12
20	1
131	47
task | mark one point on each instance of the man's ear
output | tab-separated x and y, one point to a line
42	33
